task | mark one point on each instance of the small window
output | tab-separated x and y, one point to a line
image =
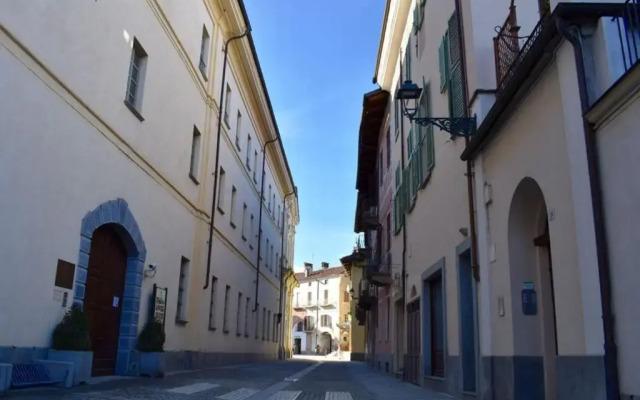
309	296
232	206
225	321
255	166
273	202
269	199
221	188
277	264
238	130
204	52
257	311
244	222
247	161
212	303
388	147
268	324
274	337
195	155
183	283
246	317
135	83
251	230
278	217
273	259
227	104
264	321
267	251
326	296
239	315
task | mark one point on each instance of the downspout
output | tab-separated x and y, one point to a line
470	171
404	242
264	159
217	162
572	34
280	308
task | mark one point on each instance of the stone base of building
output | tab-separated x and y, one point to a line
519	377
175	360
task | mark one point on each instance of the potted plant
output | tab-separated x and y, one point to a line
70	342
151	348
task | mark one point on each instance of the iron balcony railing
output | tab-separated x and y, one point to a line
629	33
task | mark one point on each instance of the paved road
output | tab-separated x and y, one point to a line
283	380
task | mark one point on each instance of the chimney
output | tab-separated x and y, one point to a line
325	265
308	267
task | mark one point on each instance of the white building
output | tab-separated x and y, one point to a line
107	166
321	306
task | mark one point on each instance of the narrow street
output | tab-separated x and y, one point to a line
299	379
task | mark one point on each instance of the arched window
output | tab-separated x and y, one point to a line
299	326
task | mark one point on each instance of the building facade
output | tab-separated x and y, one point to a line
507	272
112	180
321	309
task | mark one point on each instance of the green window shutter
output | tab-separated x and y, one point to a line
443	57
427	149
416	18
456	89
407	61
409	144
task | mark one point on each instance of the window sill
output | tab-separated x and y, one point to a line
226	121
238	147
204	74
220	210
134	111
244	238
434	378
232	225
246	336
193	178
225	331
181	322
238	334
213	329
251	246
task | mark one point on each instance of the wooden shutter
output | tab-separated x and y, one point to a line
407	61
456	89
443	56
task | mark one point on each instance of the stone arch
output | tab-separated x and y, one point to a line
117	214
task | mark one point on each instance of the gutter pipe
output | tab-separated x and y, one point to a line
217	162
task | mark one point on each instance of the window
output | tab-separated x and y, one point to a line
135	82
325	321
221	187
278	264
269	325
299	326
246	317
418	15
278	217
239	315
255	165
272	259
274	337
183	287
225	320
251	227
345	297
244	222
227	104
238	130
309	296
389	235
204	52
273	202
388	147
212	303
427	147
232	213
266	249
195	155
407	61
269	199
450	55
326	296
257	311
309	324
248	156
264	321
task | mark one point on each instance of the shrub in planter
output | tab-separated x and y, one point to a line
151	347
70	342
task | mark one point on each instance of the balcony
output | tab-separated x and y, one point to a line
379	273
370	218
328	304
298	306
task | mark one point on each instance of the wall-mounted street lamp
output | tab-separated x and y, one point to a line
409	95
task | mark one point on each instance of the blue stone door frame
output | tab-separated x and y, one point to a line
117	212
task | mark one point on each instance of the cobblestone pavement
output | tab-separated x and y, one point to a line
282	380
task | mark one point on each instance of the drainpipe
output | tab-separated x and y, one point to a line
264	159
470	172
280	308
404	242
217	162
572	34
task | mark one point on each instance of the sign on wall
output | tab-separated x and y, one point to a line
159	304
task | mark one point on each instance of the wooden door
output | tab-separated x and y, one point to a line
437	327
103	297
412	363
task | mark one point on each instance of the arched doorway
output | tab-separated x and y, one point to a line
104	290
532	293
108	235
325	343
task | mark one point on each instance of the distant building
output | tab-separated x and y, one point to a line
321	308
107	167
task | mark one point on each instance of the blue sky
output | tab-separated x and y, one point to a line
318	59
